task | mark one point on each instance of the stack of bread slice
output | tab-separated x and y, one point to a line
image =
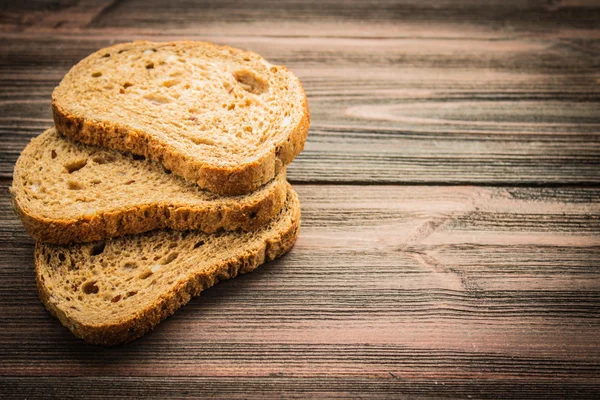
163	175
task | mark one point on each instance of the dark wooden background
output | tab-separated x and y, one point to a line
450	193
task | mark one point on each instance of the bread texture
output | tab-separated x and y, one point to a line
67	192
114	291
218	116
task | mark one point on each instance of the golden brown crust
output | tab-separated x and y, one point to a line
241	179
140	219
139	324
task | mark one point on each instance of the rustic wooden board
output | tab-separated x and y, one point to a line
431	99
450	192
389	289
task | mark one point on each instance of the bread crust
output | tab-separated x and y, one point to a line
223	180
129	329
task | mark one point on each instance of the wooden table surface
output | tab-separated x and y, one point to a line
450	191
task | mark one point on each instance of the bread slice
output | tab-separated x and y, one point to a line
221	117
68	192
115	291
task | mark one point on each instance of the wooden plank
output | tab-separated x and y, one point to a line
440	110
388	290
384	18
242	387
41	15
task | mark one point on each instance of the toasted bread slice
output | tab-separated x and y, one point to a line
115	291
221	117
68	192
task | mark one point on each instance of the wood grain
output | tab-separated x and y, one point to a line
278	386
387	285
462	105
450	191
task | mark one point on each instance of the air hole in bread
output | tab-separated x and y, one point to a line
130	265
96	74
90	288
127	84
150	65
145	275
103	159
131	293
75	165
74	185
251	82
61	257
253	214
273	69
138	157
170	258
106	55
129	182
172	245
97	248
198	244
116	299
218	233
53	154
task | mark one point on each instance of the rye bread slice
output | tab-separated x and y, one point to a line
67	192
218	116
115	291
